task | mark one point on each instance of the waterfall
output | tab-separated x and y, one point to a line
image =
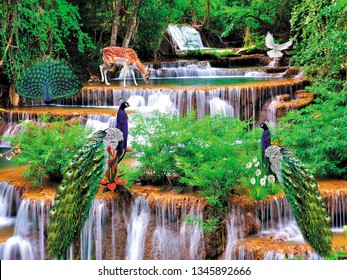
280	255
136	229
100	121
185	37
91	241
166	239
337	209
271	111
11	129
218	106
235	227
9	203
191	235
28	240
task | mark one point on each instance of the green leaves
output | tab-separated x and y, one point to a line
40	28
206	155
318	133
47	145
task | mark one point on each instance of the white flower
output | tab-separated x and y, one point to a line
248	165
271	179
258	172
255	159
252	181
256	164
262	182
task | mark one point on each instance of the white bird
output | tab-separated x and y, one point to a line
277	48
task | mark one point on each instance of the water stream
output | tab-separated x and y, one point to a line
135	230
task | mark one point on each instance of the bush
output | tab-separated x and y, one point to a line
317	134
206	155
46	146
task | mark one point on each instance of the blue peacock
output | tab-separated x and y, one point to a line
81	181
301	190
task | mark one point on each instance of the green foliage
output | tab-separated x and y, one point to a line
210	54
206	155
320	30
255	16
317	134
36	29
209	225
46	146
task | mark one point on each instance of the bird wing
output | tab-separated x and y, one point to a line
269	41
75	195
305	200
284	46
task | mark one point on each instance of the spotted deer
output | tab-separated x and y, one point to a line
125	57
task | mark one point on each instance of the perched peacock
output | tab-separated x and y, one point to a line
48	80
75	195
306	202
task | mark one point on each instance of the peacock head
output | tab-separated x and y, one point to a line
124	105
264	126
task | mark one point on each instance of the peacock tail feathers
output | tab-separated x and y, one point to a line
75	195
305	200
48	79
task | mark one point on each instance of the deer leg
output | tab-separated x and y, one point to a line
125	73
101	67
133	73
104	69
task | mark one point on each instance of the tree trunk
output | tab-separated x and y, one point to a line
132	23
116	21
207	14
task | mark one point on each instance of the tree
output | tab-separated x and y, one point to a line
33	29
320	30
256	17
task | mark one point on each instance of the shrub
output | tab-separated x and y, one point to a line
46	146
317	134
206	155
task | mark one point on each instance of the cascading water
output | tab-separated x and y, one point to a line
185	37
235	228
9	203
28	240
337	206
136	229
165	240
191	234
91	239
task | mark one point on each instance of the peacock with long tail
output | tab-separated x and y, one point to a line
48	80
75	195
307	203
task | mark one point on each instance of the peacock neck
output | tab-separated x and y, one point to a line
47	99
